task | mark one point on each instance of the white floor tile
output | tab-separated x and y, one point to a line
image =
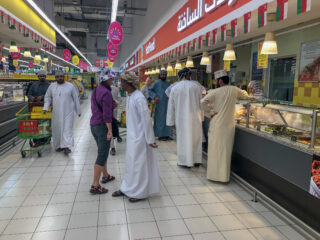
7	213
16	237
137	205
111	205
52	235
11	201
290	233
195	189
166	213
227	222
190	211
183	237
85	207
58	209
206	198
112	218
187	199
17	226
62	198
140	215
208	236
30	212
81	234
215	209
228	196
200	225
177	190
109	232
172	228
268	233
53	223
83	220
161	201
238	235
3	224
253	220
143	230
34	200
239	207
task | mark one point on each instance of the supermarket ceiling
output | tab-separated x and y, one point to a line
86	22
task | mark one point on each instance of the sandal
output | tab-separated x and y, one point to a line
98	190
109	178
117	194
133	200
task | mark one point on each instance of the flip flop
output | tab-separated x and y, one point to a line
117	194
133	200
109	178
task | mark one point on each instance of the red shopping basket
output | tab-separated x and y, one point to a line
28	126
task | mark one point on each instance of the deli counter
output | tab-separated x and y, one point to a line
276	150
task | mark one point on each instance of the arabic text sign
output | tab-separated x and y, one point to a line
112	58
262	59
189	17
151	46
112	49
227	64
115	33
66	55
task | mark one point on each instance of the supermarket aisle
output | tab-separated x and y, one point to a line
48	198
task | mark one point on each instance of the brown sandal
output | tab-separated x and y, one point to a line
98	190
108	178
117	194
133	200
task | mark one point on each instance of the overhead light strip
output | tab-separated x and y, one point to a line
45	17
61	59
114	10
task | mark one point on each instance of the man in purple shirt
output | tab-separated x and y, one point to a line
101	128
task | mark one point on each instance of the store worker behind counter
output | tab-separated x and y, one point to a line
38	89
219	105
65	100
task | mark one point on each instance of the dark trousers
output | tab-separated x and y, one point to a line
99	133
115	128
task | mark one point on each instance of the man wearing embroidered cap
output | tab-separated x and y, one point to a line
64	100
219	105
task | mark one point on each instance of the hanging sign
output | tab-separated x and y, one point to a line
262	58
15	63
15	55
110	64
67	69
227	64
112	49
85	67
30	64
75	60
66	55
112	58
18	67
36	61
81	64
115	33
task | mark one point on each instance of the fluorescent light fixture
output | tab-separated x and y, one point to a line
229	53
189	63
13	47
114	10
45	17
270	44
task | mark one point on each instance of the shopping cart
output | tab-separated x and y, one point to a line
34	125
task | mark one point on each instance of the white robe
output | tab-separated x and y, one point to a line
116	97
221	102
141	178
184	112
65	101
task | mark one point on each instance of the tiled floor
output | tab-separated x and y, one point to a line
47	198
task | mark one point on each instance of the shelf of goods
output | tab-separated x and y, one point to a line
276	149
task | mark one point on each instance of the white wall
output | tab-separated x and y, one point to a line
158	13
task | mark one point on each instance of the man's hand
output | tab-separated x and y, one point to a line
173	128
153	145
39	98
109	135
33	99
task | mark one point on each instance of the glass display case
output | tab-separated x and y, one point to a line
292	124
11	93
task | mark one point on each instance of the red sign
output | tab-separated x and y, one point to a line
81	65
101	63
66	55
30	64
15	55
112	58
112	49
115	33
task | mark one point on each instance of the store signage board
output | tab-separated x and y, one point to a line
188	18
112	49
227	64
75	60
115	33
309	70
256	74
66	55
262	58
151	46
112	58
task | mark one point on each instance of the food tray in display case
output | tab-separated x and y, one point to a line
297	125
11	93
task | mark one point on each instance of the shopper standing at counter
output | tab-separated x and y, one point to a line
219	105
157	91
65	100
184	115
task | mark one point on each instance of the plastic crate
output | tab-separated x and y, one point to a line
28	126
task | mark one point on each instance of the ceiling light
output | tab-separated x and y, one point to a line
229	53
169	68
270	44
114	10
178	65
13	47
205	60
27	52
189	63
45	17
